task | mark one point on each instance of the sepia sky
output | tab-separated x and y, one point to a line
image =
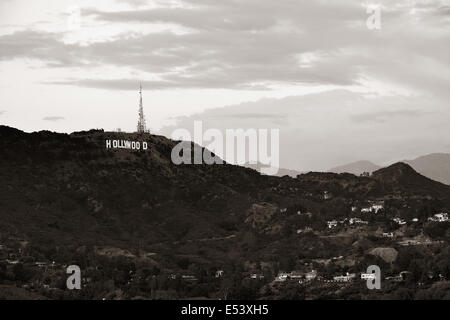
337	91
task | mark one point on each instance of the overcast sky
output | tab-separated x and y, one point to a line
337	91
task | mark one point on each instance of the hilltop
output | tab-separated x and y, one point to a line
403	176
435	166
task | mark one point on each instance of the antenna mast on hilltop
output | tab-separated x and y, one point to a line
141	128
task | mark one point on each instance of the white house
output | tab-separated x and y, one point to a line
281	277
366	276
332	224
347	278
357	221
295	275
304	230
439	217
189	278
399	221
373	208
309	276
376	207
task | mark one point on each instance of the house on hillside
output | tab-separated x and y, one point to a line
401	276
347	278
357	221
367	276
332	224
189	278
281	277
304	230
374	207
439	217
256	276
326	195
309	276
399	221
9	261
295	275
40	264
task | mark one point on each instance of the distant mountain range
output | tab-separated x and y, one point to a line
281	171
435	166
356	168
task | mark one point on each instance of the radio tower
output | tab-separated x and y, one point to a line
141	128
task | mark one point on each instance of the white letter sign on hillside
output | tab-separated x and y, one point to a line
126	144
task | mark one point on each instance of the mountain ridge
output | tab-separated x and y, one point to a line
435	166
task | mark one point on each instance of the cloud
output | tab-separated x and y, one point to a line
254	44
53	118
130	84
250	116
383	116
319	131
42	46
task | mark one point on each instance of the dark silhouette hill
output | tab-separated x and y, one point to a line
402	176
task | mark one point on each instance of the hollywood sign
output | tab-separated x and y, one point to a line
126	144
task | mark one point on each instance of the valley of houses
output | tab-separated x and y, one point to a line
374	209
